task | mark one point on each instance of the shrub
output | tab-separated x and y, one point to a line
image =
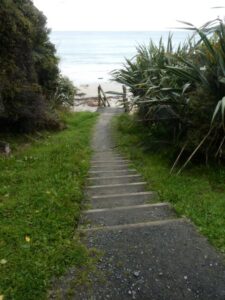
29	74
65	92
182	89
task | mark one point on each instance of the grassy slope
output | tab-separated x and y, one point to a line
41	189
198	193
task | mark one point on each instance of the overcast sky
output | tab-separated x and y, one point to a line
125	15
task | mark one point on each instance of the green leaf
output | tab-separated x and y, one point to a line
222	80
218	106
222	110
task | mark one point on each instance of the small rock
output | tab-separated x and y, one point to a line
185	277
137	273
133	295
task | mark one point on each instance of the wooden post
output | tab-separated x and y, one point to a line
106	102
125	101
102	99
99	95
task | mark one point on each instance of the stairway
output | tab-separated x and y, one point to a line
118	194
147	251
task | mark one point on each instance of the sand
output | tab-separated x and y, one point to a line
91	89
87	96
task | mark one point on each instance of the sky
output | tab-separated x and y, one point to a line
126	15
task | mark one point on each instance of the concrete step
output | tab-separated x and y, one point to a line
99	190
155	260
110	162
111	173
110	110
109	167
106	155
123	200
128	214
114	179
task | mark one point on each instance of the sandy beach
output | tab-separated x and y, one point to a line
91	89
87	96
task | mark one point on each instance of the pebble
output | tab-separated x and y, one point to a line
133	295
137	273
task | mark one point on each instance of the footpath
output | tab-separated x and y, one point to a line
147	252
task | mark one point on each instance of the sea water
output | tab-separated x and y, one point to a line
89	57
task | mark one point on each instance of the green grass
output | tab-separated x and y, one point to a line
41	193
198	193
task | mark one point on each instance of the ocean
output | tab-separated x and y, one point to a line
89	57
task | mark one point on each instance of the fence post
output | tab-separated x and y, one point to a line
125	102
105	98
99	95
102	99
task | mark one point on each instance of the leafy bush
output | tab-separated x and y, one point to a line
65	92
29	74
182	89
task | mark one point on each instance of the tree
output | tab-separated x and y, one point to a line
28	66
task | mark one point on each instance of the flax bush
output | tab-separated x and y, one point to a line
179	92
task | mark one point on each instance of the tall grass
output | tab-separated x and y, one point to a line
179	92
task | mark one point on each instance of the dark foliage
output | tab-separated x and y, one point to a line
28	66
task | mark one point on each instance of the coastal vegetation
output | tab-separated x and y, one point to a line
31	86
179	93
179	96
41	195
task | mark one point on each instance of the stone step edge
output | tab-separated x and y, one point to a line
116	185
112	171
110	150
99	155
111	165
135	225
160	204
115	177
110	161
121	195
